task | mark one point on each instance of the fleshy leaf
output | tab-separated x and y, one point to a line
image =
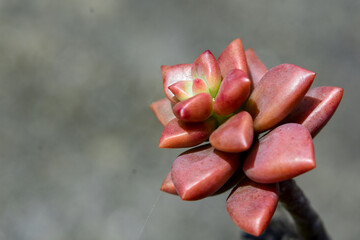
284	153
199	86
173	74
163	110
168	185
256	67
195	109
251	205
201	171
207	68
278	92
179	134
316	108
182	90
235	135
233	57
233	92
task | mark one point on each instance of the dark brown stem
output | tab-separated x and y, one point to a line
308	222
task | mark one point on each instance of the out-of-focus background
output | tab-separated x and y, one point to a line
78	142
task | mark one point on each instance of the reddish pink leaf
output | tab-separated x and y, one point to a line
279	91
316	108
168	185
163	110
201	171
173	74
207	68
234	90
182	90
195	109
233	57
178	134
251	205
284	153
235	135
257	69
199	86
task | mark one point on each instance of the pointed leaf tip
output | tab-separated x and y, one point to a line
233	57
168	185
251	205
206	68
199	86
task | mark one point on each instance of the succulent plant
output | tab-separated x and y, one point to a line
256	124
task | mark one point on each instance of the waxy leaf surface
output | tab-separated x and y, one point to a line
278	92
179	134
251	205
173	74
199	86
202	171
233	57
234	90
235	135
316	108
207	68
163	110
182	90
256	67
168	185
284	153
195	109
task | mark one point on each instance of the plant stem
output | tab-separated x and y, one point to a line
308	222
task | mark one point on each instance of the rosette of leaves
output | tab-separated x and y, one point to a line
256	124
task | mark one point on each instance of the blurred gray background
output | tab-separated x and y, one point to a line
78	142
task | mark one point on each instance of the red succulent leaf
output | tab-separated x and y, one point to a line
251	205
201	171
207	68
284	153
182	89
278	92
235	135
195	109
256	67
163	110
233	57
168	185
316	108
173	74
179	134
233	92
199	86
